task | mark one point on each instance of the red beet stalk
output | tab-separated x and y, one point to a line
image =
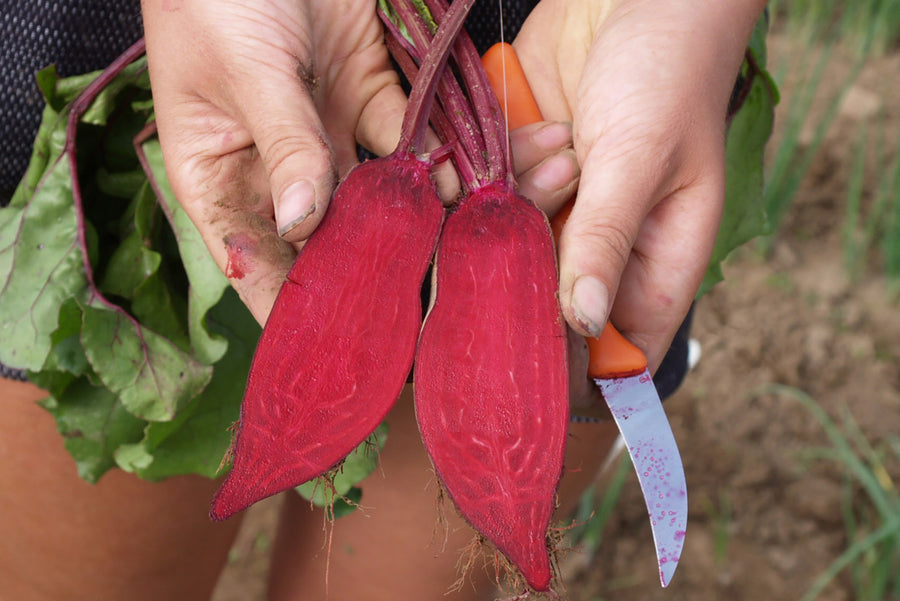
339	343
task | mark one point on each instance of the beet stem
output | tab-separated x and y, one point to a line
487	107
455	131
79	106
456	104
421	98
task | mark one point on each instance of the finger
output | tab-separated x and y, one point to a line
281	116
378	128
534	143
622	179
379	131
545	165
551	183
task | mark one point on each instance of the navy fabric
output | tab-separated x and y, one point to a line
483	22
79	36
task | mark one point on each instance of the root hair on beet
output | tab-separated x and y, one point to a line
441	523
480	553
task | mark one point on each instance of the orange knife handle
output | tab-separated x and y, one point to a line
515	97
611	355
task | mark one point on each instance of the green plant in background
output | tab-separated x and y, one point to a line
877	226
870	26
867	28
721	516
854	245
871	504
791	159
593	514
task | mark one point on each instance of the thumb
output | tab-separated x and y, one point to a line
615	196
296	152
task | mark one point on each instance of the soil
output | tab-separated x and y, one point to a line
766	516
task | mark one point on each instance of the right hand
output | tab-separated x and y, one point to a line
646	84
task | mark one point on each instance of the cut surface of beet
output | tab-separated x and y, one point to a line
339	343
491	386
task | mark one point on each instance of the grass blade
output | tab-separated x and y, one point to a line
855	244
591	534
872	559
888	529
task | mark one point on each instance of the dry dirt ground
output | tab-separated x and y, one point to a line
765	519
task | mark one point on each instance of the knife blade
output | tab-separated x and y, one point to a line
618	368
627	386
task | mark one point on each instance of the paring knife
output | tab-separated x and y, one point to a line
618	367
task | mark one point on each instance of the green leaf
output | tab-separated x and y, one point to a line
40	267
744	216
68	356
67	89
206	279
757	43
54	382
66	360
58	93
347	504
129	266
121	184
133	457
46	80
362	461
197	439
757	47
153	378
146	217
107	102
158	309
145	105
47	147
94	424
69	321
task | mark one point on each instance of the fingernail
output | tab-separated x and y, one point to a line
554	173
590	300
296	204
553	136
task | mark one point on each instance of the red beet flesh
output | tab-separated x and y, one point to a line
339	343
491	389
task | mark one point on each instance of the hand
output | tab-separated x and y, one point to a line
646	84
260	105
